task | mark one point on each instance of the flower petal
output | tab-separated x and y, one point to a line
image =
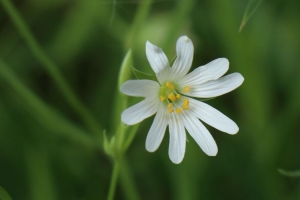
200	134
157	130
177	139
185	53
140	111
211	71
213	117
216	87
140	88
164	75
156	57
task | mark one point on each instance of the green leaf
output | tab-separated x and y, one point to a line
141	75
109	145
125	70
173	60
294	174
4	195
120	100
250	9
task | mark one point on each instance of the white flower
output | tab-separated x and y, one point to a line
170	99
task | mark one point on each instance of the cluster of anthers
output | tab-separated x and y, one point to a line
173	99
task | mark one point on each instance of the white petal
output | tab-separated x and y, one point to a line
177	139
157	130
164	75
200	134
140	111
213	117
140	88
183	62
156	57
216	87
211	71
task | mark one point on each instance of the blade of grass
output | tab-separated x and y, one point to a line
51	68
4	195
250	9
43	113
40	180
294	174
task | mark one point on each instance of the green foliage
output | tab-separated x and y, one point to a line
294	174
4	195
250	9
141	75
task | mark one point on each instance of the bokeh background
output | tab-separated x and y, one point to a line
87	41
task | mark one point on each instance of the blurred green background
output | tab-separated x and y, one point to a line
48	151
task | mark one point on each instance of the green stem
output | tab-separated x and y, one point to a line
127	183
41	181
50	67
114	179
139	19
130	138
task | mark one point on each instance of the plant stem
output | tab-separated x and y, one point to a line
127	183
40	179
121	147
130	138
50	67
113	181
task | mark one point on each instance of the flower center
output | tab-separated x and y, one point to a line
173	99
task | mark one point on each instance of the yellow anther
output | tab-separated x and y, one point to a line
186	102
172	97
178	110
185	107
170	105
178	96
170	110
162	98
186	89
170	85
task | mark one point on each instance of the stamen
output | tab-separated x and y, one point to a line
170	105
170	110
178	110
185	107
186	102
170	85
162	98
172	97
186	89
178	96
